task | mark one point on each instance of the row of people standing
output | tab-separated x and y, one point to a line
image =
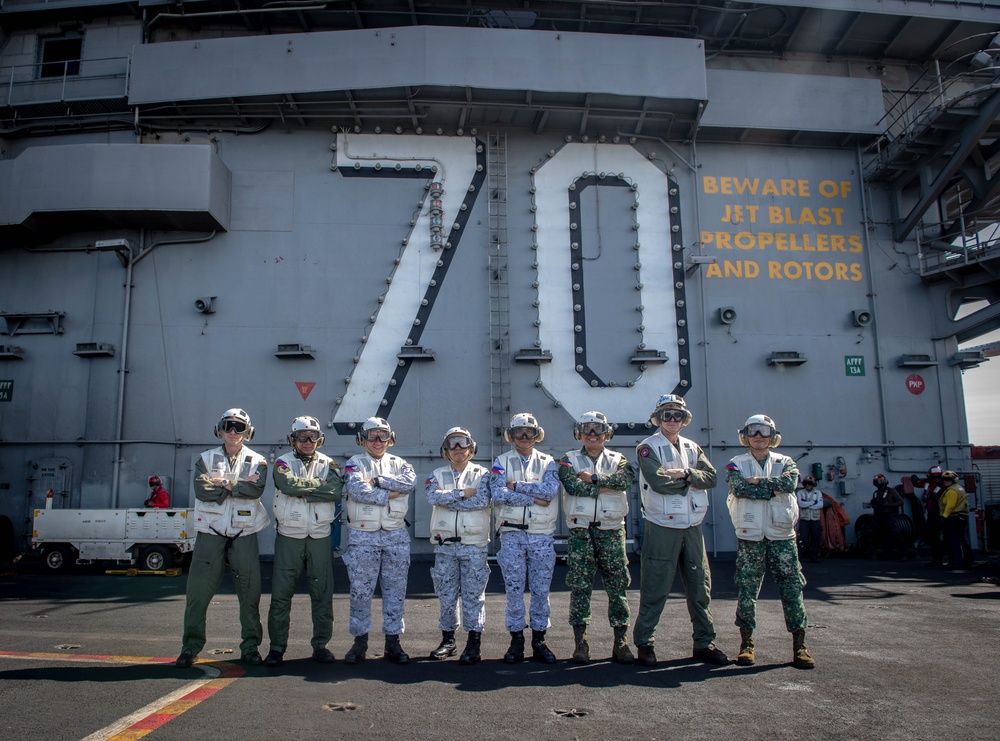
946	529
523	487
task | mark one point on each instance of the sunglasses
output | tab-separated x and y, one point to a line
758	431
458	442
672	416
377	436
525	433
594	429
306	437
234	425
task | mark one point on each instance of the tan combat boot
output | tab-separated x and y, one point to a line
621	652
582	653
802	659
746	657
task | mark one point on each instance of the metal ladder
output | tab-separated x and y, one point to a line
499	292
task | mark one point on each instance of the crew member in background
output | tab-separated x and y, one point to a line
228	483
674	476
308	484
460	532
595	502
885	504
955	516
378	486
159	498
764	511
810	525
523	485
933	531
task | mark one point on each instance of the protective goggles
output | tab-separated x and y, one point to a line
593	428
456	442
234	425
758	430
524	433
378	436
310	436
668	416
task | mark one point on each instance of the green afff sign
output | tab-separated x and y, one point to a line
854	365
6	390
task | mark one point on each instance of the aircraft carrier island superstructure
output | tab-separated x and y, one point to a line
443	213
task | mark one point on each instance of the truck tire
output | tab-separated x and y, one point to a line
181	559
155	558
57	558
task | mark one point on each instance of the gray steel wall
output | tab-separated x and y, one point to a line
307	257
303	245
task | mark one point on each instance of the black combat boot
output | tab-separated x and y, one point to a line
394	652
539	651
358	650
647	656
447	647
471	653
515	653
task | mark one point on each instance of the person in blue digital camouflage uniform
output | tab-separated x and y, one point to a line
764	511
308	486
595	502
523	484
378	486
460	532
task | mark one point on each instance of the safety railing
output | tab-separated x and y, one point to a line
911	113
80	80
981	244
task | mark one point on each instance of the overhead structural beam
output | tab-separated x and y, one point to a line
964	143
974	325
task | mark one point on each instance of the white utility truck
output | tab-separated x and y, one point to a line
150	539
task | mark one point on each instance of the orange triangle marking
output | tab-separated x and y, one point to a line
305	388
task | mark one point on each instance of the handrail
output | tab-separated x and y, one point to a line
917	109
25	77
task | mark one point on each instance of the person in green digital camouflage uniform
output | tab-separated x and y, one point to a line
764	511
595	482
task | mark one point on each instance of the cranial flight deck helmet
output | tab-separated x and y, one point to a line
235	415
155	481
457	432
879	481
672	403
934	472
375	423
759	424
592	418
306	424
523	419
